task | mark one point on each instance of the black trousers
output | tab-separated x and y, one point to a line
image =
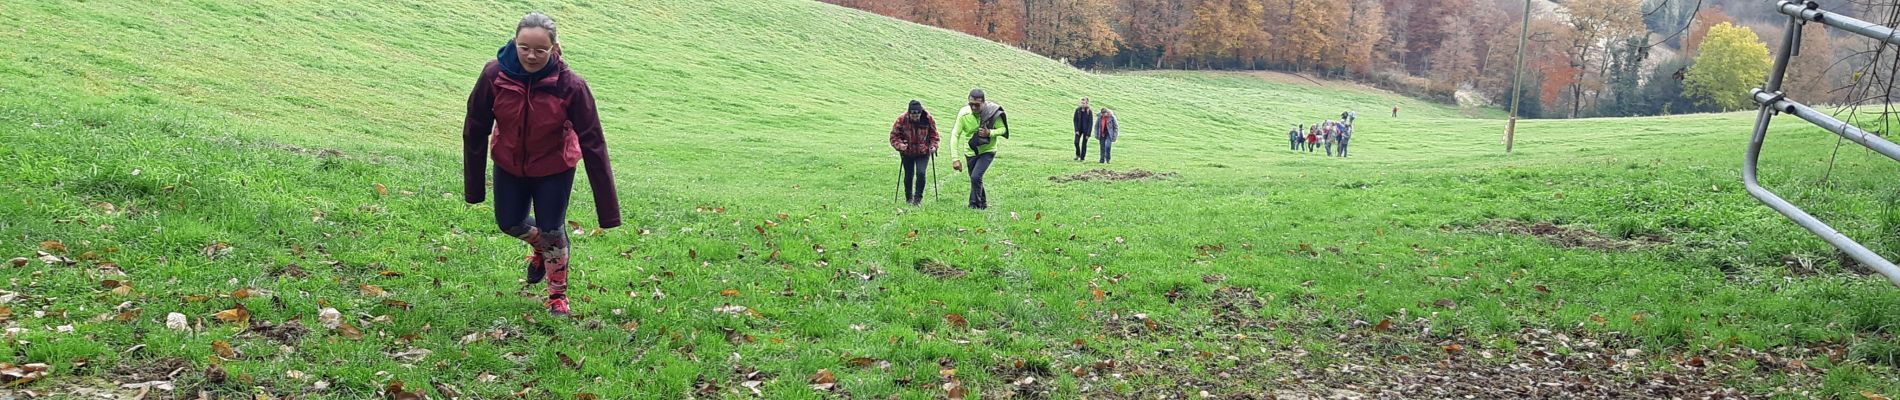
914	180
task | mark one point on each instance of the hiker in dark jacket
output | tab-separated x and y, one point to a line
914	136
1312	138
1345	138
1295	138
540	117
1084	121
1107	131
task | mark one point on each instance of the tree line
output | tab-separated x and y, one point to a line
1584	58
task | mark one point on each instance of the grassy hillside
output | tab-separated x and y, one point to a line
289	156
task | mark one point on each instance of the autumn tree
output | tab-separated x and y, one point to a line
1594	26
956	15
1699	28
1303	31
1069	29
1360	38
1000	20
1730	61
1148	27
1811	76
1225	32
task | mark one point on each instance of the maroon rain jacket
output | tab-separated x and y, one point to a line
537	129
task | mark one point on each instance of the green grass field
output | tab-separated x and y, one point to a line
288	156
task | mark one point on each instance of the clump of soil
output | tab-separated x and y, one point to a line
287	333
939	269
1236	308
1112	176
1025	380
162	369
1568	237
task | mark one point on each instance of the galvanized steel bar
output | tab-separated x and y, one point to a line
1773	101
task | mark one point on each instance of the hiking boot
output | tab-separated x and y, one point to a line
537	269
558	307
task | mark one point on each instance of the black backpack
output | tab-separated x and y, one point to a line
1002	116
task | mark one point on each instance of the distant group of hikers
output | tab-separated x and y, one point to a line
1327	134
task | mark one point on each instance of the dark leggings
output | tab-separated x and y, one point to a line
547	196
914	167
979	165
1081	146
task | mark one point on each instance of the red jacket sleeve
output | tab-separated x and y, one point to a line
600	174
476	126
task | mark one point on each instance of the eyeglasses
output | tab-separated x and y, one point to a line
533	51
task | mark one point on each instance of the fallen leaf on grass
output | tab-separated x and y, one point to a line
235	315
18	262
53	246
567	361
1454	349
957	320
223	349
349	331
395	391
1097	293
216	250
411	355
382	190
446	390
1384	325
954	389
729	292
824	380
1871	395
372	290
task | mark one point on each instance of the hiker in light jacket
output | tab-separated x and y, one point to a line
540	117
914	136
1108	130
1328	135
979	124
1084	122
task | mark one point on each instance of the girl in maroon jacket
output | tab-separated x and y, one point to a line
540	117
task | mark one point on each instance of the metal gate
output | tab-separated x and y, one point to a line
1773	102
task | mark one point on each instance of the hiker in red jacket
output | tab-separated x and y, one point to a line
540	117
914	136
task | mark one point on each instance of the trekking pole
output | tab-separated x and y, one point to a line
933	178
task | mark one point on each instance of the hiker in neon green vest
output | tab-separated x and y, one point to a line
978	125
